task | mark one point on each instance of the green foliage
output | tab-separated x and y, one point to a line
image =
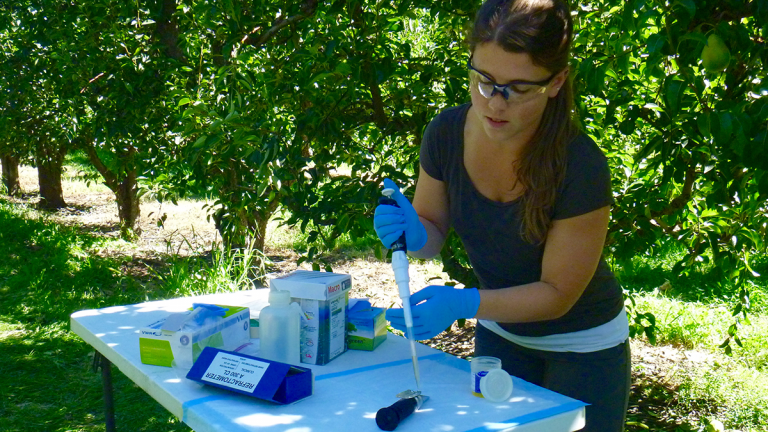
686	145
311	115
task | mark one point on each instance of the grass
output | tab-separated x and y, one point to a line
46	381
281	236
693	314
732	389
52	270
80	176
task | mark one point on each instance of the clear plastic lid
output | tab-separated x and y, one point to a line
279	298
496	386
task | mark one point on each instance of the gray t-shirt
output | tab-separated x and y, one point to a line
490	230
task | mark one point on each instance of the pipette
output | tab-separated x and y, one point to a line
400	267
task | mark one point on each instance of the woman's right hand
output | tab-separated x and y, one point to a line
391	222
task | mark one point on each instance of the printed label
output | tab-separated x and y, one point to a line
476	381
338	325
233	371
310	330
332	289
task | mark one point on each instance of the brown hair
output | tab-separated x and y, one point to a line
544	30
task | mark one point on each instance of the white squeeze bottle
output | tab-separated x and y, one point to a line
280	329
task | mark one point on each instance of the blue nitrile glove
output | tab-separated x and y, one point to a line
442	306
207	311
390	222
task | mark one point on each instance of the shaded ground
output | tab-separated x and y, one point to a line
185	230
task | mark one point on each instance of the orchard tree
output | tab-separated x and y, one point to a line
9	155
91	76
32	109
278	104
124	53
307	107
10	150
11	100
675	93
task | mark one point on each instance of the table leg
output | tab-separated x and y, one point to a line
99	361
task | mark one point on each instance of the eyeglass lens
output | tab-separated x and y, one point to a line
513	93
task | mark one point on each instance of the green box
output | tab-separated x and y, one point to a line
156	344
367	326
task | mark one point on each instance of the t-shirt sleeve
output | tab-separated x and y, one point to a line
587	183
430	156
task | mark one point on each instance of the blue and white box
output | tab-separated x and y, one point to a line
252	376
323	297
160	343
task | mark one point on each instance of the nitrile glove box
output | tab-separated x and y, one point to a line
252	376
156	344
323	299
367	326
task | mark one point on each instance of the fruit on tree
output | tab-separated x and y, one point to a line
715	56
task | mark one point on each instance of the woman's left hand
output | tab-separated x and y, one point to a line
435	308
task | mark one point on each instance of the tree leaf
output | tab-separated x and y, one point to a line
674	89
689	6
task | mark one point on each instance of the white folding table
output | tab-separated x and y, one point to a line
347	391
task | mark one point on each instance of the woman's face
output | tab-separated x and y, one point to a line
512	121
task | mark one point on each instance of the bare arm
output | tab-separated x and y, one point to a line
431	204
571	255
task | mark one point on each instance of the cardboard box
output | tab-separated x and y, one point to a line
367	327
323	298
160	347
252	376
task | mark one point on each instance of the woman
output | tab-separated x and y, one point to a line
529	195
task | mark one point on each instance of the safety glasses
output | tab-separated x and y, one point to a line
517	91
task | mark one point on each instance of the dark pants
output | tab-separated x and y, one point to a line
601	379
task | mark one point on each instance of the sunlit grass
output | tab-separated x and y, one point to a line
224	272
731	389
686	324
280	236
735	394
51	272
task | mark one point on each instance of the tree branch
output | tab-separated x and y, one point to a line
379	116
167	30
307	9
681	200
110	179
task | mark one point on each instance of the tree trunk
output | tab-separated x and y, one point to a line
11	175
128	208
246	232
49	167
126	192
242	229
168	30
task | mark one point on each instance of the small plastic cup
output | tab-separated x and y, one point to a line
489	380
496	385
480	367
